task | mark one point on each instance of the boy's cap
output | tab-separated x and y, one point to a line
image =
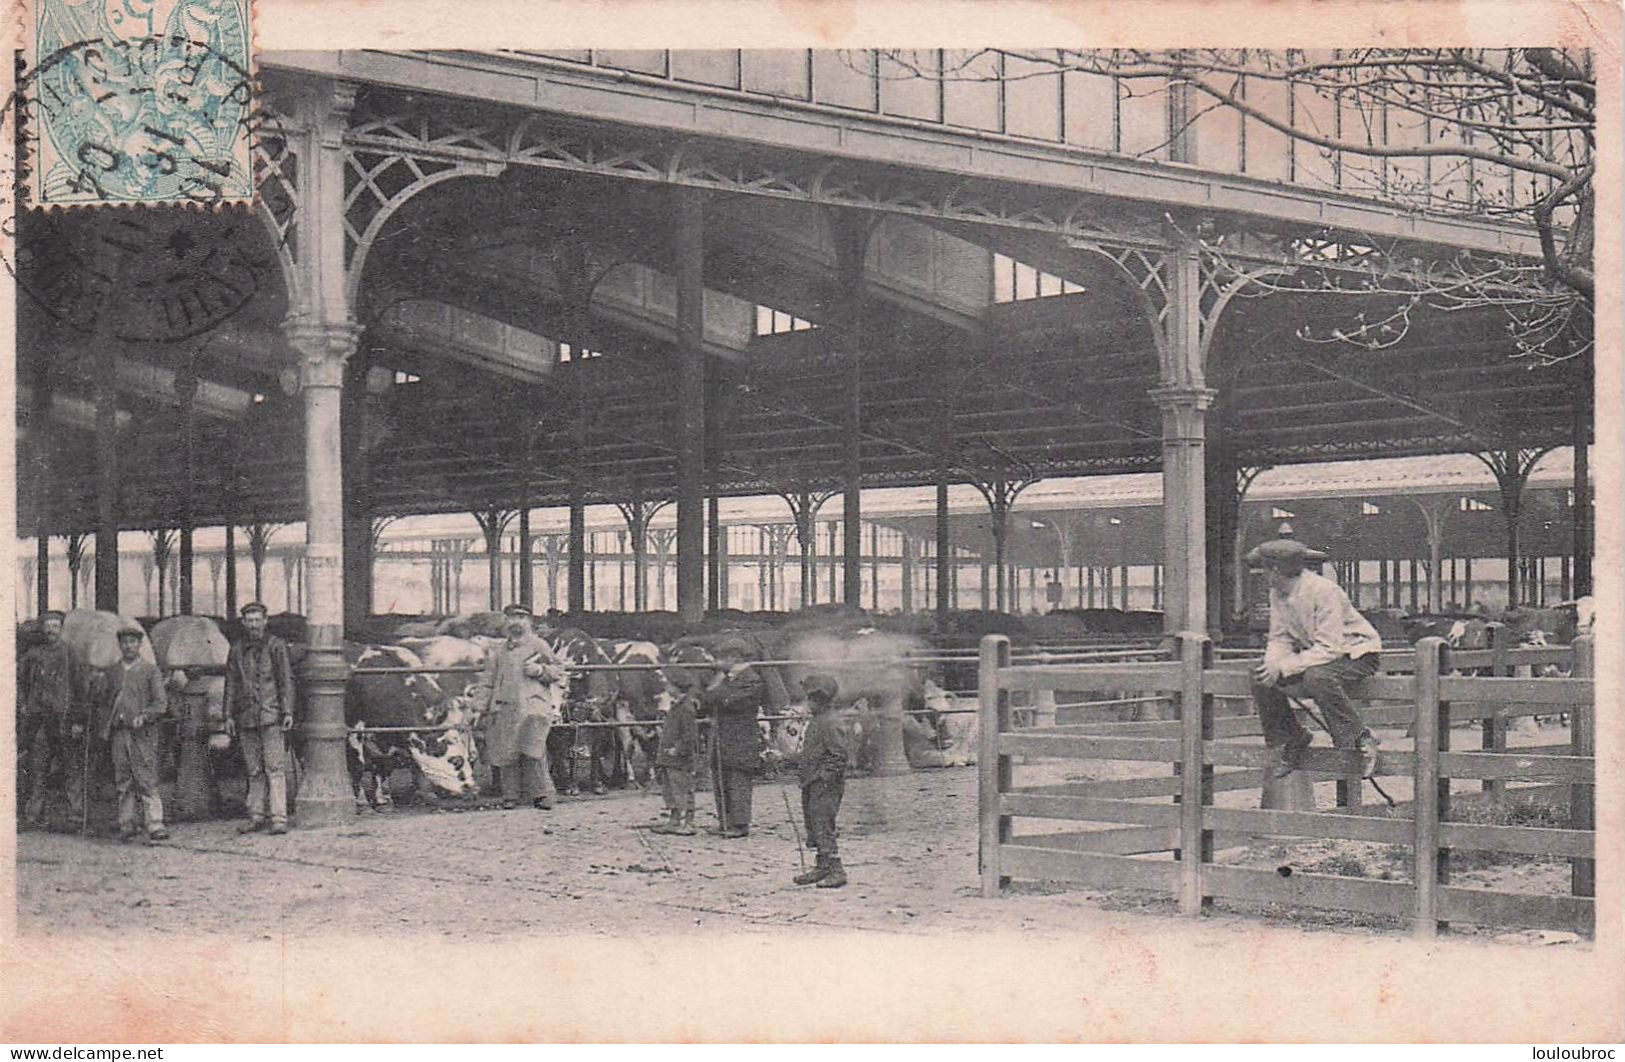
52	614
130	630
732	647
516	609
253	606
820	685
1282	550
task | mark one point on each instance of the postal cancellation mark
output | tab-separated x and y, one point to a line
140	101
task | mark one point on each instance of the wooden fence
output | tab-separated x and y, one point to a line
1149	843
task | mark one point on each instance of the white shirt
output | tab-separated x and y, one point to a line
1314	623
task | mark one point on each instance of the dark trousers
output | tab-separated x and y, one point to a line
731	787
677	788
41	748
820	803
1328	685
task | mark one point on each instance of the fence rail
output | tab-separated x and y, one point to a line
1112	837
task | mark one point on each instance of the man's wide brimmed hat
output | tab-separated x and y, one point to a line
1282	551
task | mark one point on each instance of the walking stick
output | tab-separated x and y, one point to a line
801	851
84	785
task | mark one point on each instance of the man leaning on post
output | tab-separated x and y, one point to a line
1319	646
259	711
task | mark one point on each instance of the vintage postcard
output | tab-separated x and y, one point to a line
812	522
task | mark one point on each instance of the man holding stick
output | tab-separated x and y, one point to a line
733	700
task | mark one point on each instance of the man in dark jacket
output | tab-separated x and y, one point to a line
674	763
733	699
51	723
823	781
259	710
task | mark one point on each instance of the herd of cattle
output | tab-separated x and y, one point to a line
411	701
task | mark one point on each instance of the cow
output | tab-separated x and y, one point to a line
874	679
194	649
591	700
642	694
441	758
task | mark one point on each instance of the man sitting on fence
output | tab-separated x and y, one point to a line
1319	645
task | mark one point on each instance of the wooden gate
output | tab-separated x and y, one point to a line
1138	839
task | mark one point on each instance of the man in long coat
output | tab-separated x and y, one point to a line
259	711
526	683
733	700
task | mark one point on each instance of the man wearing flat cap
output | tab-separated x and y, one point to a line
1319	646
259	711
51	723
524	680
137	701
733	699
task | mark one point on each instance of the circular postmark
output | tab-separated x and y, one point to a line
139	103
152	141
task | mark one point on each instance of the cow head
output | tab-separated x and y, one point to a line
592	693
446	759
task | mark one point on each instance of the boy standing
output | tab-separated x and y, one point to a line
138	700
674	763
823	781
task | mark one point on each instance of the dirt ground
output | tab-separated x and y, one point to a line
909	844
528	925
588	866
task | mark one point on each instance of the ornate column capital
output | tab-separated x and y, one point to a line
1183	396
324	349
1184	410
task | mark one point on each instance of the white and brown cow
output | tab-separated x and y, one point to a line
643	694
591	700
443	759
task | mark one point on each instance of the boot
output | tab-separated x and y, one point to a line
836	875
685	825
819	872
669	826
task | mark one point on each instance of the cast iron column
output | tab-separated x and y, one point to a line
527	578
690	252
850	233
1582	492
40	435
321	328
944	578
324	794
1184	400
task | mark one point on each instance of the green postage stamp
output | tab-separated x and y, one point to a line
138	101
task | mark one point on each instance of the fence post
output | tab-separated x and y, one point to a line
1196	778
1583	741
1494	726
1426	824
1043	708
993	766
